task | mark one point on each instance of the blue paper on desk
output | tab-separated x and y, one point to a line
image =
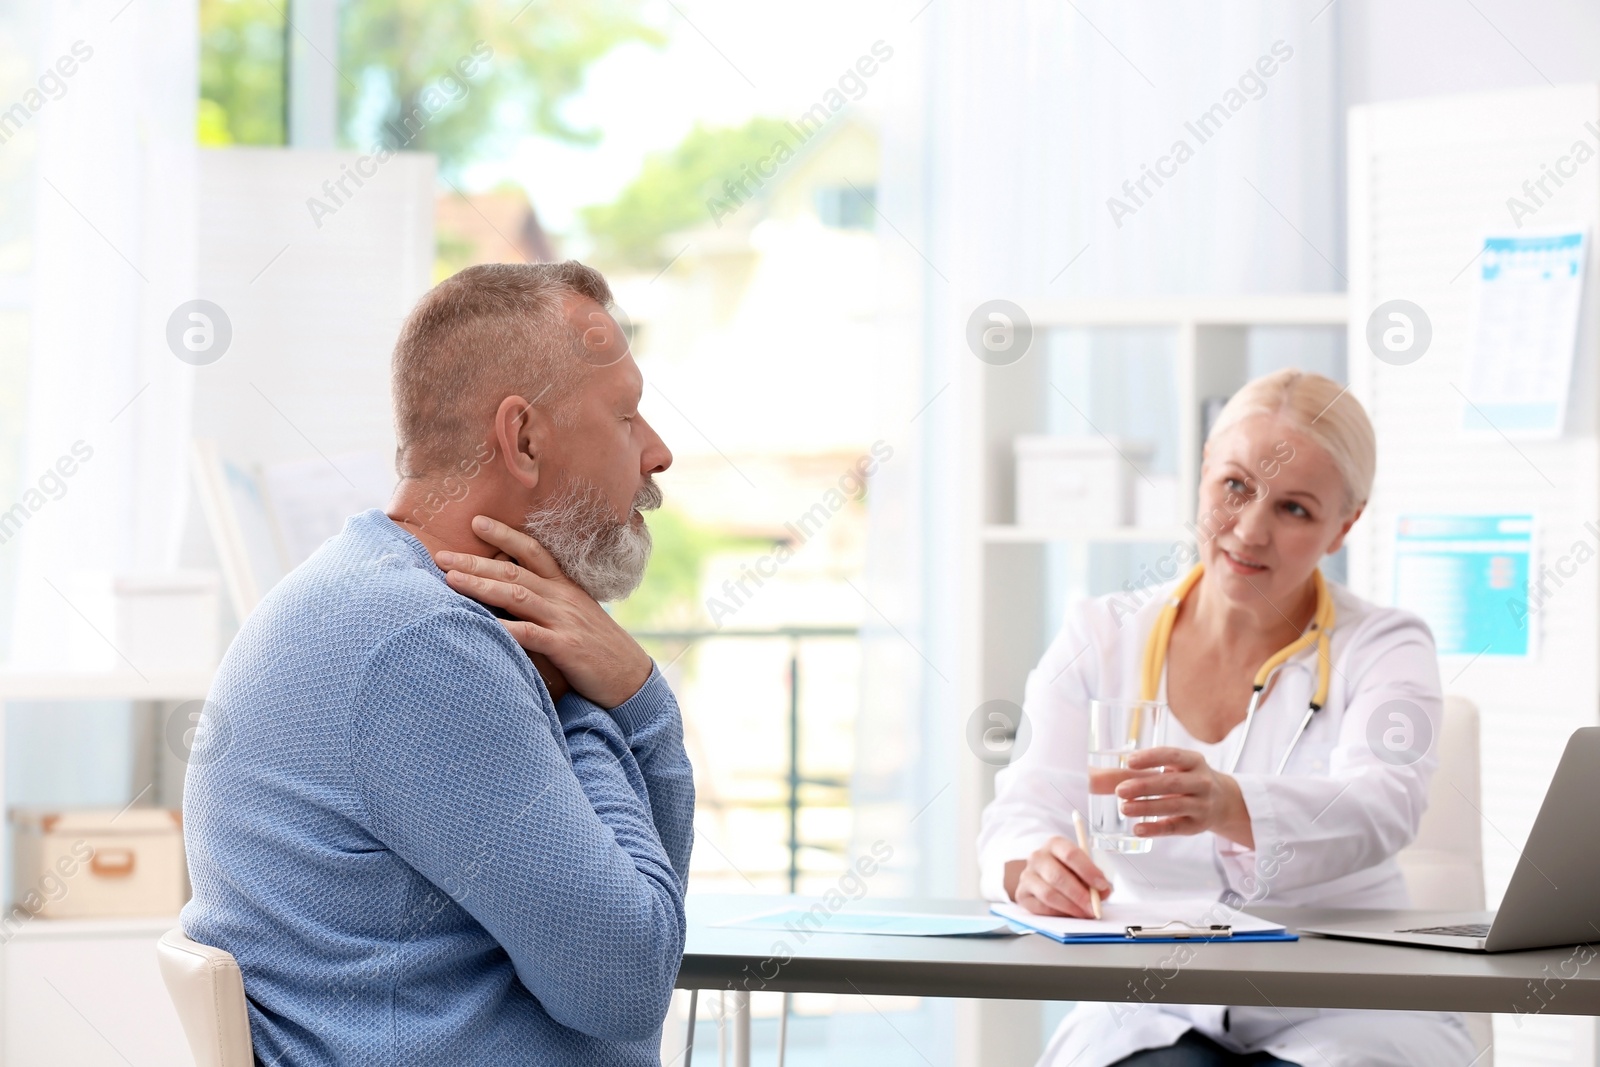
1112	927
899	924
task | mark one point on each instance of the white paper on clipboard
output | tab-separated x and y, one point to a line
1523	330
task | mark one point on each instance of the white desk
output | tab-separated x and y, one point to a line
1312	972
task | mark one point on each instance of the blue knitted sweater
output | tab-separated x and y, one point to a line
416	857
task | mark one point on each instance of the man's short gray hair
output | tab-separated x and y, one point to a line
489	332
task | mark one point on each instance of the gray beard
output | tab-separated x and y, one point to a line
606	558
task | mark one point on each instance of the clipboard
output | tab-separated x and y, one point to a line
1252	930
1178	930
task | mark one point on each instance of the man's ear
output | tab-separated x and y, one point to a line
522	432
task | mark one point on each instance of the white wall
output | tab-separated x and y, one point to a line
1396	51
1428	48
315	310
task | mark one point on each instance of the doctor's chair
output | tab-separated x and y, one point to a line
1444	865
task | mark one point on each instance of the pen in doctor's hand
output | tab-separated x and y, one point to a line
1083	843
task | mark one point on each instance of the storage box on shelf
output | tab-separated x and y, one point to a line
57	972
99	863
149	690
1078	483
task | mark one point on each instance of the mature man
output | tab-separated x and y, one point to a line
430	836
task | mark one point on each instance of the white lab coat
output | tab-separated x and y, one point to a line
1326	831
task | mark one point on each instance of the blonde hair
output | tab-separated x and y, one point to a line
1321	409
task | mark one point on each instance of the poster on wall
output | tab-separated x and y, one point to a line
1522	332
1467	576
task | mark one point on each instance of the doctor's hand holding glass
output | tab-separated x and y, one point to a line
1264	785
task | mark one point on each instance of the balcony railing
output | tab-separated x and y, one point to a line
795	778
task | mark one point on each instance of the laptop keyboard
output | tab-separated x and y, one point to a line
1464	930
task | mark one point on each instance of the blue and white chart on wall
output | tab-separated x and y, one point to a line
1467	576
1522	332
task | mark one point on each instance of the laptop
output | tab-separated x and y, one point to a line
1554	895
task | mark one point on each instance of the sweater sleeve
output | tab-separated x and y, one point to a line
466	776
651	729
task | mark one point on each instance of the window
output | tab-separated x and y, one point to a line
842	207
242	73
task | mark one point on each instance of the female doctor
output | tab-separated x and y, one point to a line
1279	779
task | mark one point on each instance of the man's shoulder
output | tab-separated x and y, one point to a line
372	571
364	587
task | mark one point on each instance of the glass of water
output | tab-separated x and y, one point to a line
1118	729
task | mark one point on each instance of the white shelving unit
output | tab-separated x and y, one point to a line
1005	572
106	685
87	991
140	689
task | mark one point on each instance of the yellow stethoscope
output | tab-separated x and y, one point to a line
1319	633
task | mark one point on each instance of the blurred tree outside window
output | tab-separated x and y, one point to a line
526	59
242	82
467	80
672	190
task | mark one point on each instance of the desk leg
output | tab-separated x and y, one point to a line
783	1030
741	1029
688	1041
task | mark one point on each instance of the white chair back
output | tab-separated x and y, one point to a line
1444	865
207	988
